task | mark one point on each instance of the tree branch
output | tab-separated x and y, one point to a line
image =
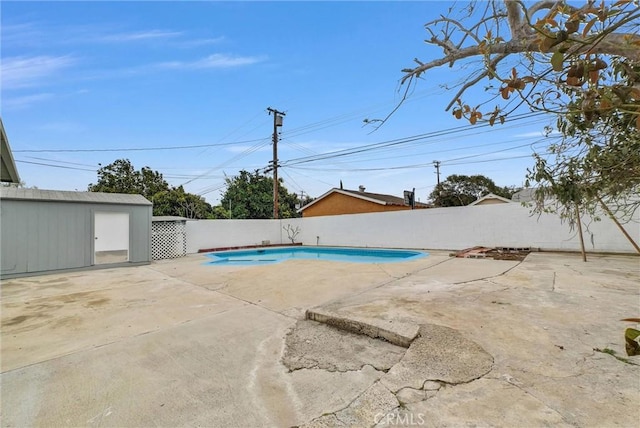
478	78
611	44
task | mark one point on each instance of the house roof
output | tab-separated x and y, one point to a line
524	195
377	198
490	196
13	193
8	170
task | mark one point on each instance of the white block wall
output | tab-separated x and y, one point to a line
499	225
205	234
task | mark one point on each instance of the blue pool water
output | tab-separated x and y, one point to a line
262	256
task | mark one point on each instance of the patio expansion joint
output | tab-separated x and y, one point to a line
513	382
392	280
220	292
273	311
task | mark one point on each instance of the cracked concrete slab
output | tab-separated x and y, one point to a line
410	395
366	410
205	345
438	354
310	344
482	403
314	393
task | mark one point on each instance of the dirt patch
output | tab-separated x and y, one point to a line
73	297
98	302
15	320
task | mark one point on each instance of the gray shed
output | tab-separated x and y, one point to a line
48	230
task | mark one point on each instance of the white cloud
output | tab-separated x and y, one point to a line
139	35
21	72
212	61
540	133
200	42
25	101
20	34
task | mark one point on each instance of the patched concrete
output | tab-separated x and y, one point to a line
366	410
310	344
438	354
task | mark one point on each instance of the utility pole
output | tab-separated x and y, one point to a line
437	165
277	121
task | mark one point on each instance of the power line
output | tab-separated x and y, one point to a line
55	166
391	168
244	153
390	143
439	163
136	149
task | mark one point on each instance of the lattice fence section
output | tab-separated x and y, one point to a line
168	239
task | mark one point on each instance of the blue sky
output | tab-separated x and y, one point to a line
86	83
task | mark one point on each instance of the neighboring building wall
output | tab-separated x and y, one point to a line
43	236
455	228
337	203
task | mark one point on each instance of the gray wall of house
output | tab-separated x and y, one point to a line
455	228
43	236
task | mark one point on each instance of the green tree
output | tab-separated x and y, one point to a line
460	190
250	196
177	202
121	177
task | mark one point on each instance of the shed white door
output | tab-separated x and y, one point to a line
111	240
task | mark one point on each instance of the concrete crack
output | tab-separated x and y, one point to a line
491	276
512	381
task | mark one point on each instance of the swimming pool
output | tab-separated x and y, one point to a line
261	256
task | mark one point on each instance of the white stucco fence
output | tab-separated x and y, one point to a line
499	225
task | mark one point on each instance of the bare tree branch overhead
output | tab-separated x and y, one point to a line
537	34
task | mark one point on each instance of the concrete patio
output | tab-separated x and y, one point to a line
179	343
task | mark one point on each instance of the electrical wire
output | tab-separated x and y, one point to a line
136	149
392	143
55	166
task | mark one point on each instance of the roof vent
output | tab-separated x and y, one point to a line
361	188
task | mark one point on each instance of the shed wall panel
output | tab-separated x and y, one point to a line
14	248
42	236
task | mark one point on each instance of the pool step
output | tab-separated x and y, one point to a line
397	333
